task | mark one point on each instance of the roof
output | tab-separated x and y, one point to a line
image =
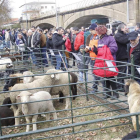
35	3
12	21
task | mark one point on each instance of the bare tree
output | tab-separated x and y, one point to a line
5	11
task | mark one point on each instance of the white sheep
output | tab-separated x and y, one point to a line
30	79
36	107
47	80
5	63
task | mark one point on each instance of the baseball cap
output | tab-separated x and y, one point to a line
132	35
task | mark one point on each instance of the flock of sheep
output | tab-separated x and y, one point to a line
34	95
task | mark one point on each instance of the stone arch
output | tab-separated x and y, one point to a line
45	22
45	26
86	15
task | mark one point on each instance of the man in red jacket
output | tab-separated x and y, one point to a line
79	40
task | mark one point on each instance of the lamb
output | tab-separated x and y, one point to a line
36	107
6	112
11	82
30	79
73	87
13	57
5	63
47	80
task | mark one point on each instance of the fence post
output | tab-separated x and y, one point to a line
0	128
85	78
137	123
70	100
132	66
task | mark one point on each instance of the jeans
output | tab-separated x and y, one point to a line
121	69
59	60
81	74
49	54
44	57
33	57
37	55
8	44
95	84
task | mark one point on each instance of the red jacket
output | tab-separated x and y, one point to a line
79	40
68	45
105	71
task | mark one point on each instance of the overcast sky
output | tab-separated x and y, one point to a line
15	4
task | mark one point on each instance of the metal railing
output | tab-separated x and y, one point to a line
79	5
90	112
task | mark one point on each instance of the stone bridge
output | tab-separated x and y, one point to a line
81	16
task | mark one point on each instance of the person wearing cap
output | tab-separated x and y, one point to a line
83	63
121	55
134	49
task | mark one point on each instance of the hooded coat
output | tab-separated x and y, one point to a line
100	67
110	42
58	42
122	41
79	40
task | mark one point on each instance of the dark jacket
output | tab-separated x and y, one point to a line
25	36
136	54
36	39
29	41
49	44
122	41
84	57
58	42
138	31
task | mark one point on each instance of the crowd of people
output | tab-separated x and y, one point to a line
88	44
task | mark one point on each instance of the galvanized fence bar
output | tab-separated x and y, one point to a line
83	91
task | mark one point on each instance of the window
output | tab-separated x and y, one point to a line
42	7
45	7
52	7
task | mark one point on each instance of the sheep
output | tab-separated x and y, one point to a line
11	82
30	79
5	63
47	80
130	136
36	107
13	57
5	112
73	87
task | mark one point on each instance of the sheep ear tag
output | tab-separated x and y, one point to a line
52	76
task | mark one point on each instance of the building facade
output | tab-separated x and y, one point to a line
35	9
